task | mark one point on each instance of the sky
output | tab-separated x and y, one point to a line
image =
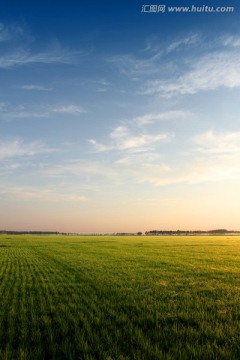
119	116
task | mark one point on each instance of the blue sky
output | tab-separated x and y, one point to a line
112	119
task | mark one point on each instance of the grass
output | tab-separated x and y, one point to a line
116	298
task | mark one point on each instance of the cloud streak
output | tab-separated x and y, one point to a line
14	33
69	109
24	57
17	148
162	116
204	66
8	112
218	143
220	69
28	193
35	87
122	139
19	51
187	41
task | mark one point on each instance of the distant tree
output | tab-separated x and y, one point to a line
139	233
219	231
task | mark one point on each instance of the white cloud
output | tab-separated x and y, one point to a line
168	115
137	159
122	139
152	60
231	41
25	193
199	169
221	143
25	57
23	114
210	72
210	173
87	173
101	90
216	159
35	87
150	168
9	112
69	109
129	64
185	41
155	45
16	148
200	65
19	50
99	147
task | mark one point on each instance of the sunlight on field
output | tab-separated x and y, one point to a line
119	297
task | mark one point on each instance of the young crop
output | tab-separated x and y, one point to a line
110	298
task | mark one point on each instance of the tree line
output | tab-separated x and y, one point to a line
190	232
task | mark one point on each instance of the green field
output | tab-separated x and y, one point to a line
104	297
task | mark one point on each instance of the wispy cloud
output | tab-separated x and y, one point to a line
187	41
215	159
100	85
155	44
218	143
2	106
28	193
133	66
4	33
17	148
20	51
125	140
155	59
231	41
209	72
168	115
194	175
90	174
35	87
211	157
25	57
122	139
100	147
202	66
150	168
69	109
8	112
14	33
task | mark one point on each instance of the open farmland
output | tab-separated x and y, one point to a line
106	297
